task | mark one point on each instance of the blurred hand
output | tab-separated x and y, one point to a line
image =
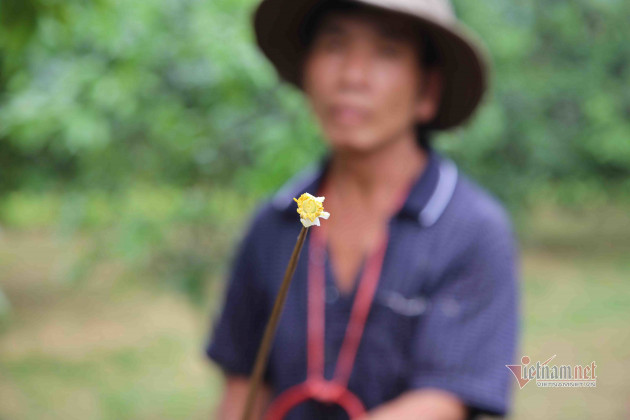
424	404
234	396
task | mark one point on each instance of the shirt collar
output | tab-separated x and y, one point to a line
427	199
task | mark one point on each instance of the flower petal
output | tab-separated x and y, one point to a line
325	215
306	222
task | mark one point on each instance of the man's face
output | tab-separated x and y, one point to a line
363	80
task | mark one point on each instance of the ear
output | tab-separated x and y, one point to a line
430	96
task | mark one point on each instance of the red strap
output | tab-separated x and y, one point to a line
320	390
359	314
316	311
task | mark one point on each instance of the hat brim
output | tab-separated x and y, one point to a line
464	59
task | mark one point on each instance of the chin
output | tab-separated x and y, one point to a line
351	140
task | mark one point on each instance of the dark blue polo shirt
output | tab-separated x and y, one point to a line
445	313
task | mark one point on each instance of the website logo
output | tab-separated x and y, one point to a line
547	375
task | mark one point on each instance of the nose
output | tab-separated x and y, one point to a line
355	67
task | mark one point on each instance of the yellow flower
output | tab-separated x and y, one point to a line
310	209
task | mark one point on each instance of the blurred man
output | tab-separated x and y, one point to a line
404	303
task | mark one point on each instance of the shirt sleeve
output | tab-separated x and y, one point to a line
238	327
468	333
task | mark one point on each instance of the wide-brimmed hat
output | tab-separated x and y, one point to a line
278	25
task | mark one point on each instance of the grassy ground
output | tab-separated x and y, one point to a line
107	349
116	349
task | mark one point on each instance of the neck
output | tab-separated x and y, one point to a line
374	179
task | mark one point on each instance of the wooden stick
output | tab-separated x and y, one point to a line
270	329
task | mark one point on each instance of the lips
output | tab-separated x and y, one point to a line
348	115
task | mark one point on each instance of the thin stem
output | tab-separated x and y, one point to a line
270	329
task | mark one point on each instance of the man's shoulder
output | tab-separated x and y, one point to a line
262	220
475	230
473	207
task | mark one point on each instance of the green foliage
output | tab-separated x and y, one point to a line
559	107
110	93
138	117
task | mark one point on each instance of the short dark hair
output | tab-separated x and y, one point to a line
428	54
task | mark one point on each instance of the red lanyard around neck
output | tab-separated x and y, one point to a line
358	316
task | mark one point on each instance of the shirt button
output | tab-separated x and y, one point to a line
332	294
450	307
